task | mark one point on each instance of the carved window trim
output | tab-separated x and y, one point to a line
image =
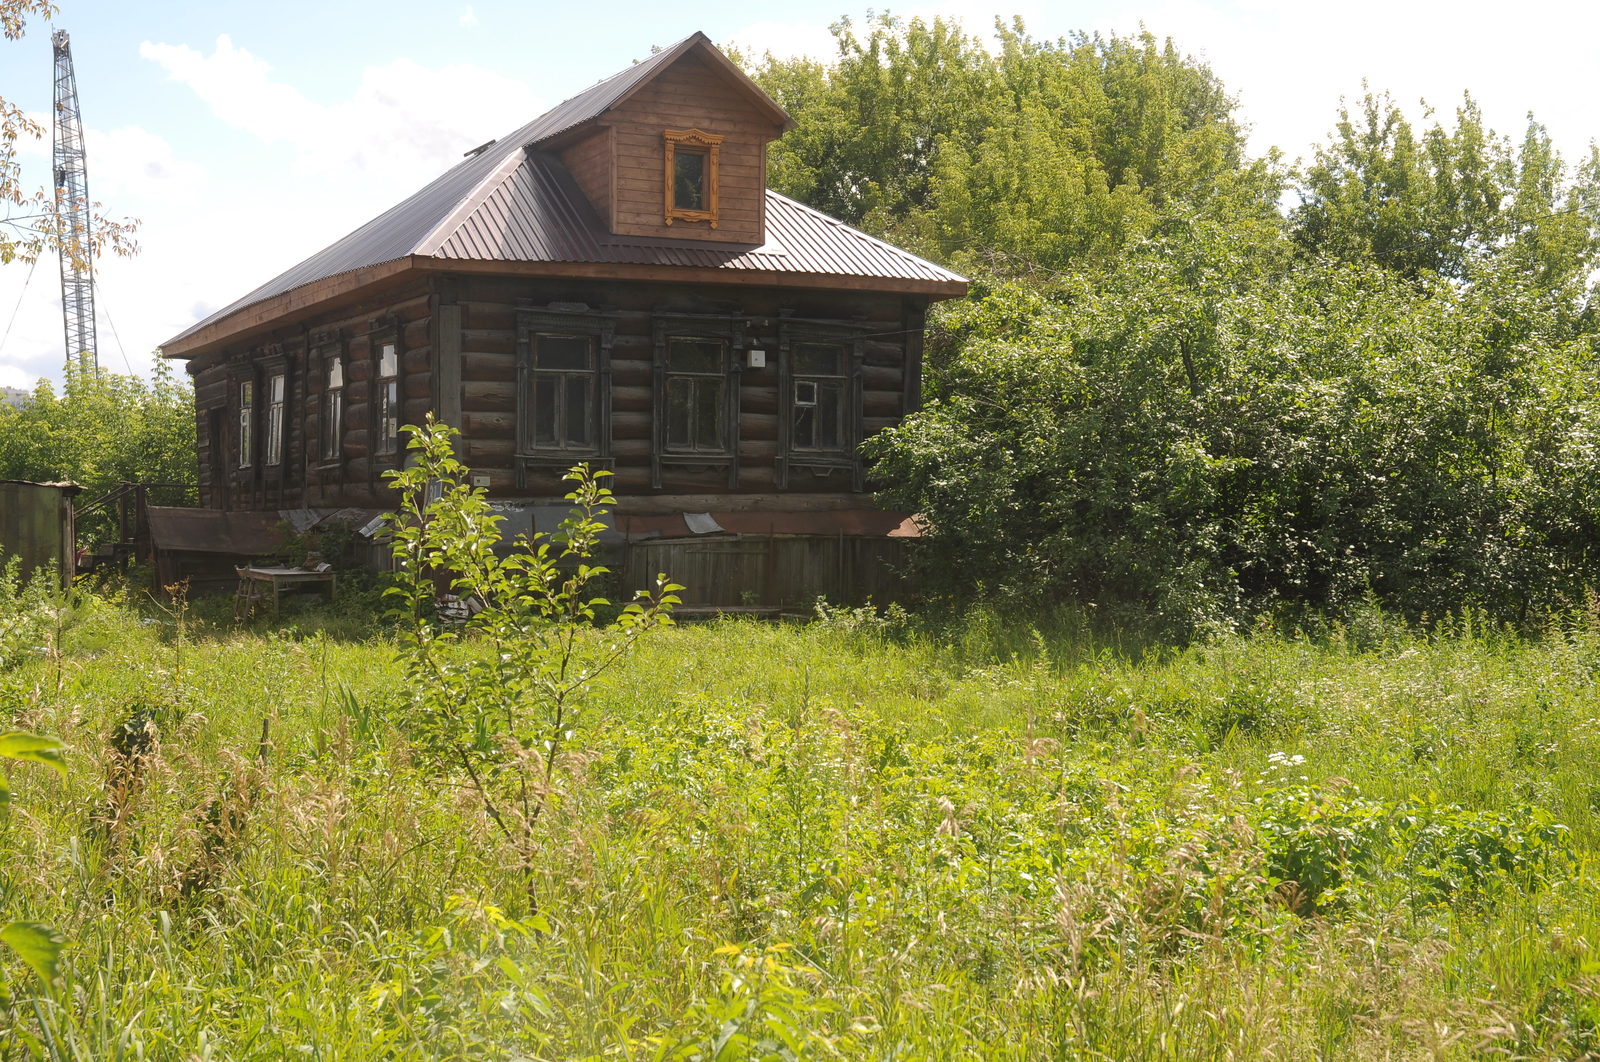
729	330
698	142
846	459
568	320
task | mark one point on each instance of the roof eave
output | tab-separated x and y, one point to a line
936	290
290	307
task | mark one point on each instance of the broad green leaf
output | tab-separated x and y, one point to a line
36	944
35	747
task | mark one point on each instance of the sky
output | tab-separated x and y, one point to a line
246	136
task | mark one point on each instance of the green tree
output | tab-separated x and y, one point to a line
1450	200
1212	428
102	429
1039	153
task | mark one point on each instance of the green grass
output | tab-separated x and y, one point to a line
844	839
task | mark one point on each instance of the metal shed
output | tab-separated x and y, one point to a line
36	525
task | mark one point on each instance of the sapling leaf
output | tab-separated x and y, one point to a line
35	748
36	944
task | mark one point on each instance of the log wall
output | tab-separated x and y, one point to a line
462	331
303	479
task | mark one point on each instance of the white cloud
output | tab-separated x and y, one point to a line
468	17
216	224
404	118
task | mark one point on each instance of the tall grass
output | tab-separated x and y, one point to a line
852	839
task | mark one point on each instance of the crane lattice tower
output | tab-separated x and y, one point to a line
72	213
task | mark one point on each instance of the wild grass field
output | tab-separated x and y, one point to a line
858	838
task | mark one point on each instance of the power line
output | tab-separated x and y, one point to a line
18	307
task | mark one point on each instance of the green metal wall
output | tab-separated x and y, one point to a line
36	525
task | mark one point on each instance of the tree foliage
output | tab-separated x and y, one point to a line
1051	151
1169	394
1211	429
102	429
35	222
1449	200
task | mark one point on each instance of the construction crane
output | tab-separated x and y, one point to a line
73	214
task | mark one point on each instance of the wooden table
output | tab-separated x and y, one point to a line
278	581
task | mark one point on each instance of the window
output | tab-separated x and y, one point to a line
560	399
386	411
691	175
818	420
563	385
275	395
696	394
247	422
820	384
696	390
333	410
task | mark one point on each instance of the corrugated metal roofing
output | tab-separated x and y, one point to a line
512	202
534	213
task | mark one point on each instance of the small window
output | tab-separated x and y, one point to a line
247	422
388	399
691	175
333	411
275	399
818	422
696	386
689	180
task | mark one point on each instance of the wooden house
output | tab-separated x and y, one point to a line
612	283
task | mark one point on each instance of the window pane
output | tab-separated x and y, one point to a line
805	428
818	359
388	364
695	355
544	410
335	374
680	398
389	417
577	410
708	415
830	407
688	180
277	389
572	353
332	428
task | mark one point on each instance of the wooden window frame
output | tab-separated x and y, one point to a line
537	462
698	142
846	459
244	389
385	449
730	331
276	395
329	351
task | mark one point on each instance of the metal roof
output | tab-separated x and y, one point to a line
512	202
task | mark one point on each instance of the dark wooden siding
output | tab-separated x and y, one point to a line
590	163
489	375
303	479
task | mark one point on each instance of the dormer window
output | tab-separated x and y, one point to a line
691	175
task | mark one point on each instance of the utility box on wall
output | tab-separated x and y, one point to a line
36	525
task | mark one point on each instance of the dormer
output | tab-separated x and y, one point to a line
673	148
